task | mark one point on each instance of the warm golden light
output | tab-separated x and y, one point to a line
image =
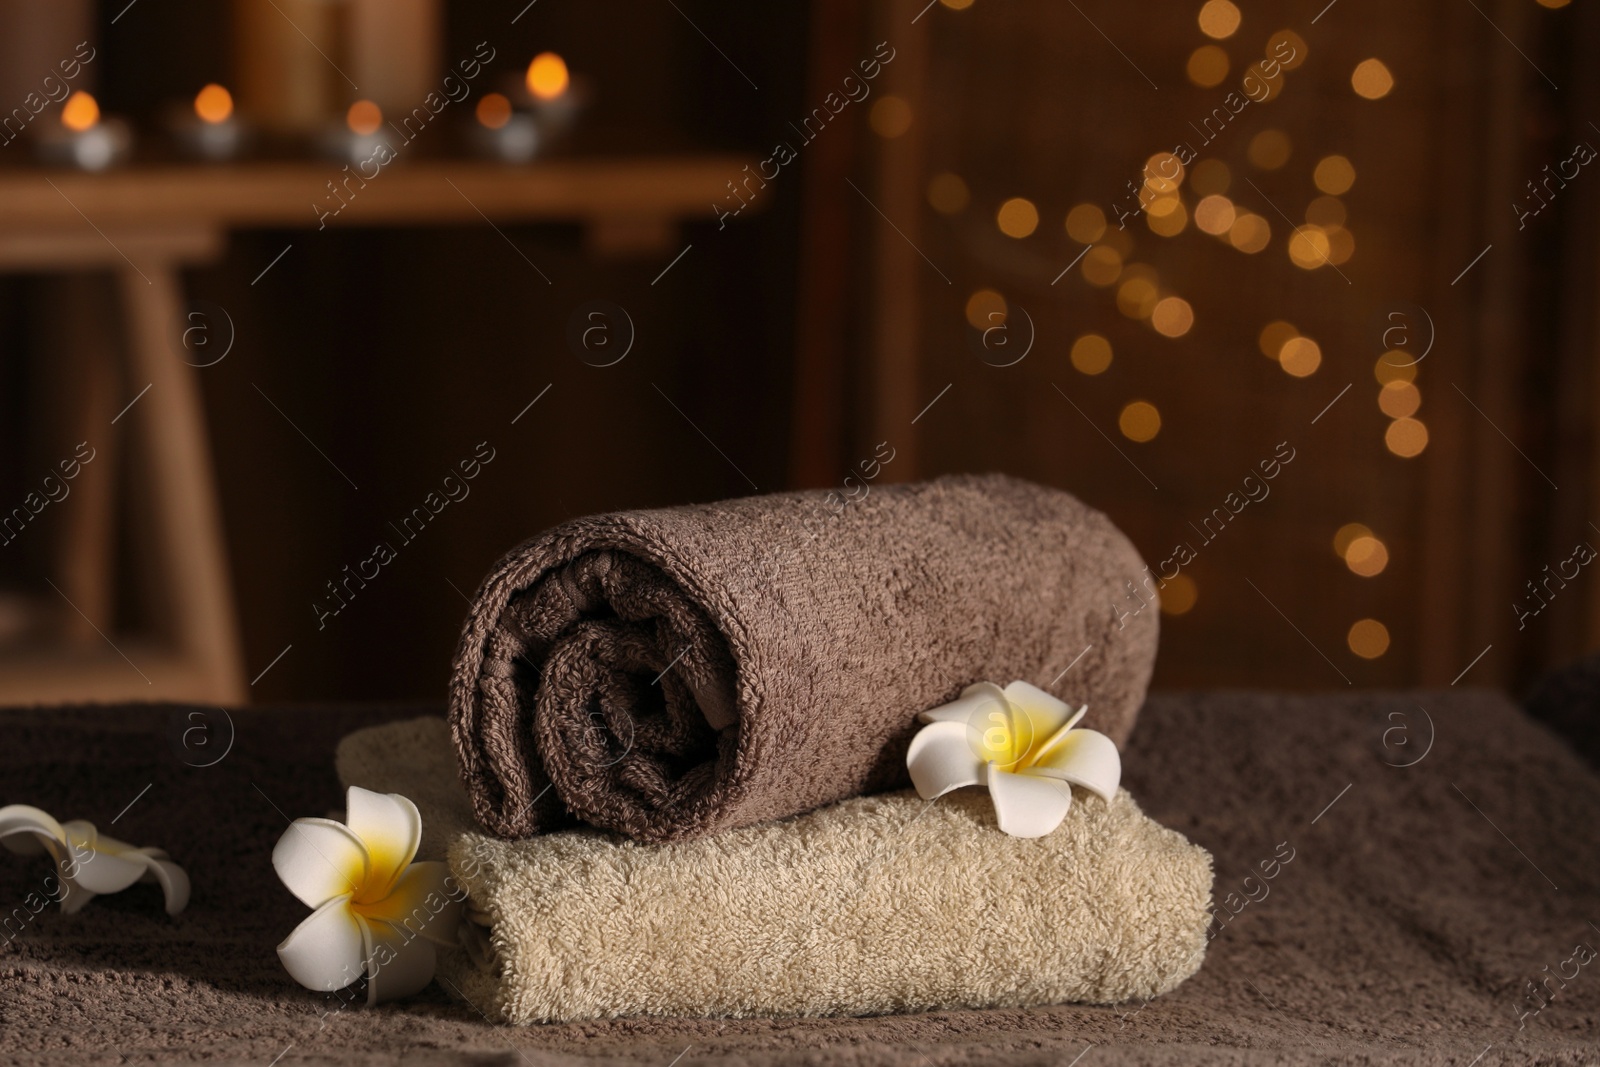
1395	366
1214	214
1208	65
1399	399
1296	50
80	112
1091	354
547	76
1172	317
956	5
1249	233
986	308
1371	79
1341	245
1102	266
1178	595
1346	535
1163	205
493	110
1017	217
1163	173
1259	87
1139	421
1326	211
1086	223
1137	296
1171	221
1553	4
1270	149
1406	437
890	117
1300	356
363	118
1334	175
947	193
213	104
1366	556
1274	335
1308	247
1119	239
1210	178
1219	19
1368	638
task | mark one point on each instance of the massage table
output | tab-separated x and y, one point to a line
1440	873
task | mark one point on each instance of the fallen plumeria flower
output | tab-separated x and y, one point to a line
1023	744
90	864
376	913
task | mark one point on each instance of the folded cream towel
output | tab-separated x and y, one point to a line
879	904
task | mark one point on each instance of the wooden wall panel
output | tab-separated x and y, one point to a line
1062	105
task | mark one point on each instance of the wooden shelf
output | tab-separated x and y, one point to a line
143	223
405	193
69	675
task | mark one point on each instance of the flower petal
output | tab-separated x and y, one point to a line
1045	713
89	867
319	859
398	963
174	881
997	732
390	827
941	759
74	897
324	952
23	828
426	901
1028	806
100	872
967	705
82	832
1084	757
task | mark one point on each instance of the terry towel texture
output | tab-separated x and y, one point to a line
873	905
673	673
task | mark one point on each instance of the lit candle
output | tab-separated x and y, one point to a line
84	138
548	78
503	133
358	140
555	100
211	131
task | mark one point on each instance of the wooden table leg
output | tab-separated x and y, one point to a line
81	396
169	436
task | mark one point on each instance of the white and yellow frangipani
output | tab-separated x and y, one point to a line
90	863
1023	744
375	912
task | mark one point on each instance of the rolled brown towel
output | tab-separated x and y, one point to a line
673	673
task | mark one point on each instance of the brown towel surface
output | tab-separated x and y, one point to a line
1406	932
677	672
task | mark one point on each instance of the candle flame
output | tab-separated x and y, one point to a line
213	104
494	110
547	76
80	112
364	117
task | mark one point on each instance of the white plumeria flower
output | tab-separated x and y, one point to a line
375	912
90	864
1023	744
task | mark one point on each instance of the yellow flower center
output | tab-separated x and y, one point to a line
367	888
1006	738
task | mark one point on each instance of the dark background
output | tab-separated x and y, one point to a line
398	351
